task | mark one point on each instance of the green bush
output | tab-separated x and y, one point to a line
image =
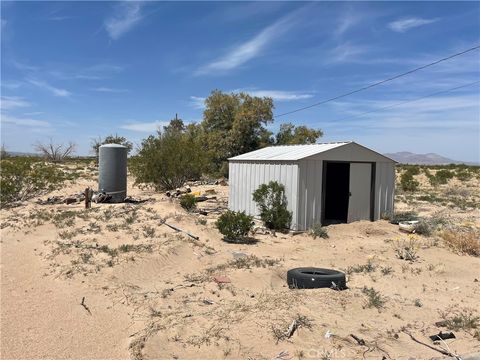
444	175
24	178
188	202
169	159
408	183
424	228
272	203
403	216
412	169
318	230
440	178
234	225
464	175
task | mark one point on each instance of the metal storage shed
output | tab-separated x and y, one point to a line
324	183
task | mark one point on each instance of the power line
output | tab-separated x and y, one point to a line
410	101
379	82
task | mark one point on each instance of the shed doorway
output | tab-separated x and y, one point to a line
336	192
348	194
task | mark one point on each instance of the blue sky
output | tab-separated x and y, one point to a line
78	70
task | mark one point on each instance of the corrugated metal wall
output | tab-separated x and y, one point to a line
384	188
245	177
310	193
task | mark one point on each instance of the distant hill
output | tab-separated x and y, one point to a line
406	157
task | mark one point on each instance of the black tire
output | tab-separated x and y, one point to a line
314	278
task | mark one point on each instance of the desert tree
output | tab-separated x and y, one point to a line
54	152
290	134
110	139
233	124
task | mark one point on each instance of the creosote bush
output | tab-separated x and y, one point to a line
408	183
188	202
169	159
272	203
374	298
234	225
401	216
25	178
318	230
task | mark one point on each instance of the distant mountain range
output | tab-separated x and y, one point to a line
405	157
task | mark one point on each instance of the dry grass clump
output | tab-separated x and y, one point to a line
366	268
246	262
285	330
407	249
464	242
374	298
461	319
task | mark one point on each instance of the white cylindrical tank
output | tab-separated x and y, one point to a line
112	171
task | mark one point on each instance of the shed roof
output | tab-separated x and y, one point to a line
293	152
288	152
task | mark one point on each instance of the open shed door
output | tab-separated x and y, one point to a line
360	191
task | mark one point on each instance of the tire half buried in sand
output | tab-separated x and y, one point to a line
314	278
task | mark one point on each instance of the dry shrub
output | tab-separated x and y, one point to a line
465	242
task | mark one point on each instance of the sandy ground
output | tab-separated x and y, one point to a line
149	291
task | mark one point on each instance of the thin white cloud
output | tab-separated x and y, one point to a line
197	102
11	84
278	95
11	102
250	49
125	17
94	72
45	86
346	22
13	120
34	113
435	112
147	127
58	18
345	52
109	90
405	24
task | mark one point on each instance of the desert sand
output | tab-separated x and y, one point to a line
149	292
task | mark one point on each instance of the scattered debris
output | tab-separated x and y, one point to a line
85	305
442	336
283	355
56	200
359	341
262	230
328	334
180	230
179	191
131	200
291	329
222	182
408	226
442	351
101	197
